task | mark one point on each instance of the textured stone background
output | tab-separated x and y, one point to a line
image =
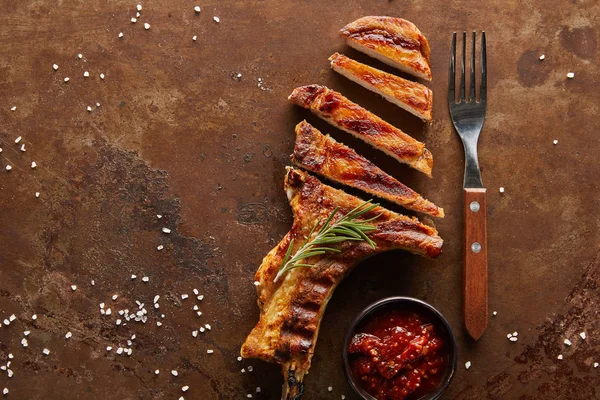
176	135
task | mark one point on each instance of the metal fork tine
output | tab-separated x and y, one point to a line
472	94
483	85
452	77
462	68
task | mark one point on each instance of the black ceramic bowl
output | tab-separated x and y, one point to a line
409	304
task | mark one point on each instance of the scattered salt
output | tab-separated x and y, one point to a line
468	365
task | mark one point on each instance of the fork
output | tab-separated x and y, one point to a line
467	116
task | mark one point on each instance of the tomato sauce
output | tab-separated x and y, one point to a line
398	355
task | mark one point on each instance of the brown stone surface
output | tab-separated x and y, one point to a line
175	135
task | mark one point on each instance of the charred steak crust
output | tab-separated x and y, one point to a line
323	155
352	118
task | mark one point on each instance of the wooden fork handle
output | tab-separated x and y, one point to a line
475	262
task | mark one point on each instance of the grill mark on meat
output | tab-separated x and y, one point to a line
372	36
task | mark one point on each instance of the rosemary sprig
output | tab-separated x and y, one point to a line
347	228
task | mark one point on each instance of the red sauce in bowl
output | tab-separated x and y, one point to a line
398	355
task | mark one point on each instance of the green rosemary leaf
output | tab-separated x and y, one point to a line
347	228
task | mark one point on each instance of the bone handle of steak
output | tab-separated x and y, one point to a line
475	265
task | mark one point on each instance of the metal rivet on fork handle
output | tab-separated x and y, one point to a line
474	206
476	247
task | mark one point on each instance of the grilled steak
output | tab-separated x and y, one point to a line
323	155
352	118
411	96
291	309
394	41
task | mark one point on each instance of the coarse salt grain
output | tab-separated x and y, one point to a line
249	395
12	317
330	389
134	20
495	313
250	368
239	358
567	342
583	335
139	7
108	311
209	351
33	164
133	276
160	247
468	365
23	147
17	140
166	230
195	333
174	372
258	389
158	323
216	19
101	76
184	296
86	74
46	352
197	9
108	348
66	79
555	141
115	296
8	167
120	35
5	391
156	371
37	194
146	26
73	287
560	357
195	292
542	57
80	56
256	283
13	108
120	350
513	339
34	317
571	75
185	388
24	342
501	190
68	335
156	298
596	365
89	109
145	279
194	38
